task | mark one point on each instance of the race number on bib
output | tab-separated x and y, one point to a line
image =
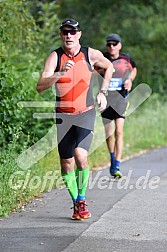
115	84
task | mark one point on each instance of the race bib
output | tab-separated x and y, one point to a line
115	84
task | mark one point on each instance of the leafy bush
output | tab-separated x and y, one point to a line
22	56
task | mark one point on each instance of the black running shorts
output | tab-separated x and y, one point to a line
116	107
74	131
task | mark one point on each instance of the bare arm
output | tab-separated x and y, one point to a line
97	59
48	76
131	77
133	74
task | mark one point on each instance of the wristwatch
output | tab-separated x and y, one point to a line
103	91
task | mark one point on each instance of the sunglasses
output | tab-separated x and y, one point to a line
72	32
114	43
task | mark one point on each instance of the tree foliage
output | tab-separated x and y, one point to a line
18	35
22	55
141	24
29	31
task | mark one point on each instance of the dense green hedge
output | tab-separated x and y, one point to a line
29	31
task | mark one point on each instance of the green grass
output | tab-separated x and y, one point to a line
144	129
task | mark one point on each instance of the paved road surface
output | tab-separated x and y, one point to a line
128	215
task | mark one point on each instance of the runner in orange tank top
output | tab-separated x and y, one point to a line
69	68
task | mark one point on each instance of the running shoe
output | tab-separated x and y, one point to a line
76	215
115	172
83	210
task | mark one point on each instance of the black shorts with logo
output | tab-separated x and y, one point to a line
74	131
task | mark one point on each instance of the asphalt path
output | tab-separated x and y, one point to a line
127	215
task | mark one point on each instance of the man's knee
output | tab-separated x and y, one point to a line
67	165
81	158
119	133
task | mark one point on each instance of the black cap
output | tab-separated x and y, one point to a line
70	22
113	37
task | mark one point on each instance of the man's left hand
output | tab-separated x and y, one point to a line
128	84
101	101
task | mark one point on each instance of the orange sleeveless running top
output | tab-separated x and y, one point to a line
74	90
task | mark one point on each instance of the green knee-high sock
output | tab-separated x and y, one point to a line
71	184
82	177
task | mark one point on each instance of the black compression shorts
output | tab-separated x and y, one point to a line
116	107
74	131
110	114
